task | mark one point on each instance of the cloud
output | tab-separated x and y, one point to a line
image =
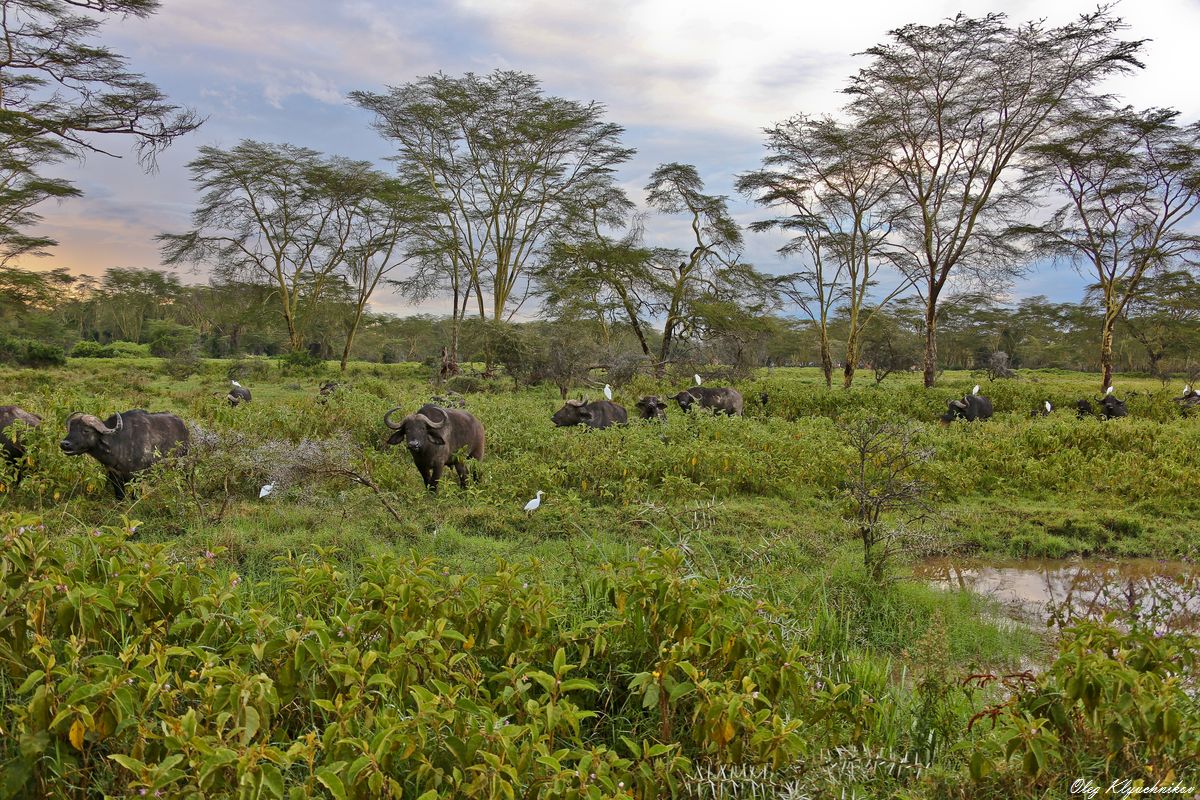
691	80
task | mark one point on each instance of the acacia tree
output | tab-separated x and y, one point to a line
716	244
381	215
130	297
838	193
957	105
1130	181
1163	316
506	169
278	214
61	92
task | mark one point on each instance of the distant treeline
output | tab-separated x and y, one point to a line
45	315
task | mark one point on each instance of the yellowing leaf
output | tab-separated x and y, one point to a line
77	731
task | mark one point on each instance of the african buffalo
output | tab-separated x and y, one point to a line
12	449
652	408
721	400
125	443
238	394
972	407
1111	407
592	413
1189	399
1042	409
1083	408
327	390
436	437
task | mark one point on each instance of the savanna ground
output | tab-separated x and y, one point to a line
352	636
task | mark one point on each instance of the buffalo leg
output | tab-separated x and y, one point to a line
435	477
118	485
461	468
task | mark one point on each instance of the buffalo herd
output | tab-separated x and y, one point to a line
437	435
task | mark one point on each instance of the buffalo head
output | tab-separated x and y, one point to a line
417	431
956	409
685	400
84	433
652	408
575	412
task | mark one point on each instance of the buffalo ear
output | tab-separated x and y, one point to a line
585	412
660	405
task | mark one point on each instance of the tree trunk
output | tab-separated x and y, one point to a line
930	342
350	336
826	359
1106	355
851	357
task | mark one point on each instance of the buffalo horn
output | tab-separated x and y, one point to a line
387	419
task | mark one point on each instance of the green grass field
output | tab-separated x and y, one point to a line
697	578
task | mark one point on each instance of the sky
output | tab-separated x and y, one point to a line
693	81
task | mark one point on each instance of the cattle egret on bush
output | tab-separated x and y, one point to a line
697	377
607	392
533	504
265	490
1049	408
976	389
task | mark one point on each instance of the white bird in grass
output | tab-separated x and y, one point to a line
1049	408
235	383
607	392
697	377
1108	391
266	490
976	389
533	504
1187	389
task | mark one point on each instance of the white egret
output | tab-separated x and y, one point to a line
235	383
533	504
607	392
697	377
1187	389
266	490
1108	391
1049	408
976	389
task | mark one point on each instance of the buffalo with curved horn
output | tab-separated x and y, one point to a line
12	449
126	443
437	436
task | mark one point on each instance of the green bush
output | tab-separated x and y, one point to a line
168	339
90	349
30	353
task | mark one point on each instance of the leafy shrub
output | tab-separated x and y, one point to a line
90	349
122	349
246	369
132	671
301	363
1116	705
182	364
168	339
30	353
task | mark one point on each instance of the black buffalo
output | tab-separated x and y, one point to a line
721	400
1111	407
126	443
12	449
592	413
327	390
1083	408
237	395
972	407
436	437
652	408
1042	409
1189	400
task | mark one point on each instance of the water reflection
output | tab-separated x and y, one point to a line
1163	595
